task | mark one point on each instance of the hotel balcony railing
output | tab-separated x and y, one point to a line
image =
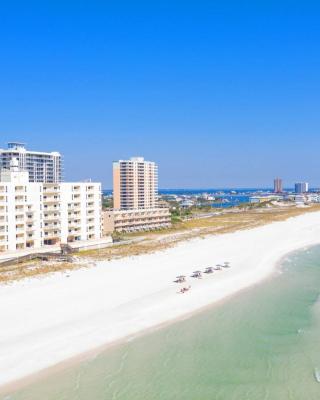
51	216
51	209
74	224
52	236
50	200
51	227
75	206
51	191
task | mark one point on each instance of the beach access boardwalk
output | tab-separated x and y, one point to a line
28	254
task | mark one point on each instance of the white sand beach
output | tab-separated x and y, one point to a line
47	320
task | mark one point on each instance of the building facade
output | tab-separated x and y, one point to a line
135	198
301	187
135	184
277	185
136	220
41	166
33	214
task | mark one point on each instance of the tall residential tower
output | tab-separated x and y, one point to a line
42	167
135	184
277	184
135	198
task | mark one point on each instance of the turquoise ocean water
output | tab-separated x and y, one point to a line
263	344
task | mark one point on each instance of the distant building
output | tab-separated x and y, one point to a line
264	199
277	184
42	167
301	187
187	203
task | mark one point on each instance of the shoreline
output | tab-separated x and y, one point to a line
251	261
88	355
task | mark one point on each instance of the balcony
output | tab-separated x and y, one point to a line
50	227
51	190
20	200
74	207
51	217
51	209
51	199
20	238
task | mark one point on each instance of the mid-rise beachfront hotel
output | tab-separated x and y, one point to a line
135	197
41	166
37	215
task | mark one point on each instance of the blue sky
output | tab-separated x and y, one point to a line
219	93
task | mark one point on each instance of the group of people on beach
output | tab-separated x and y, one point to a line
198	274
185	289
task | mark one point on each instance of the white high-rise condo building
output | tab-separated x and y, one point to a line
135	184
301	187
36	214
41	166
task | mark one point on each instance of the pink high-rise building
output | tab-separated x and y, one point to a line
278	185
